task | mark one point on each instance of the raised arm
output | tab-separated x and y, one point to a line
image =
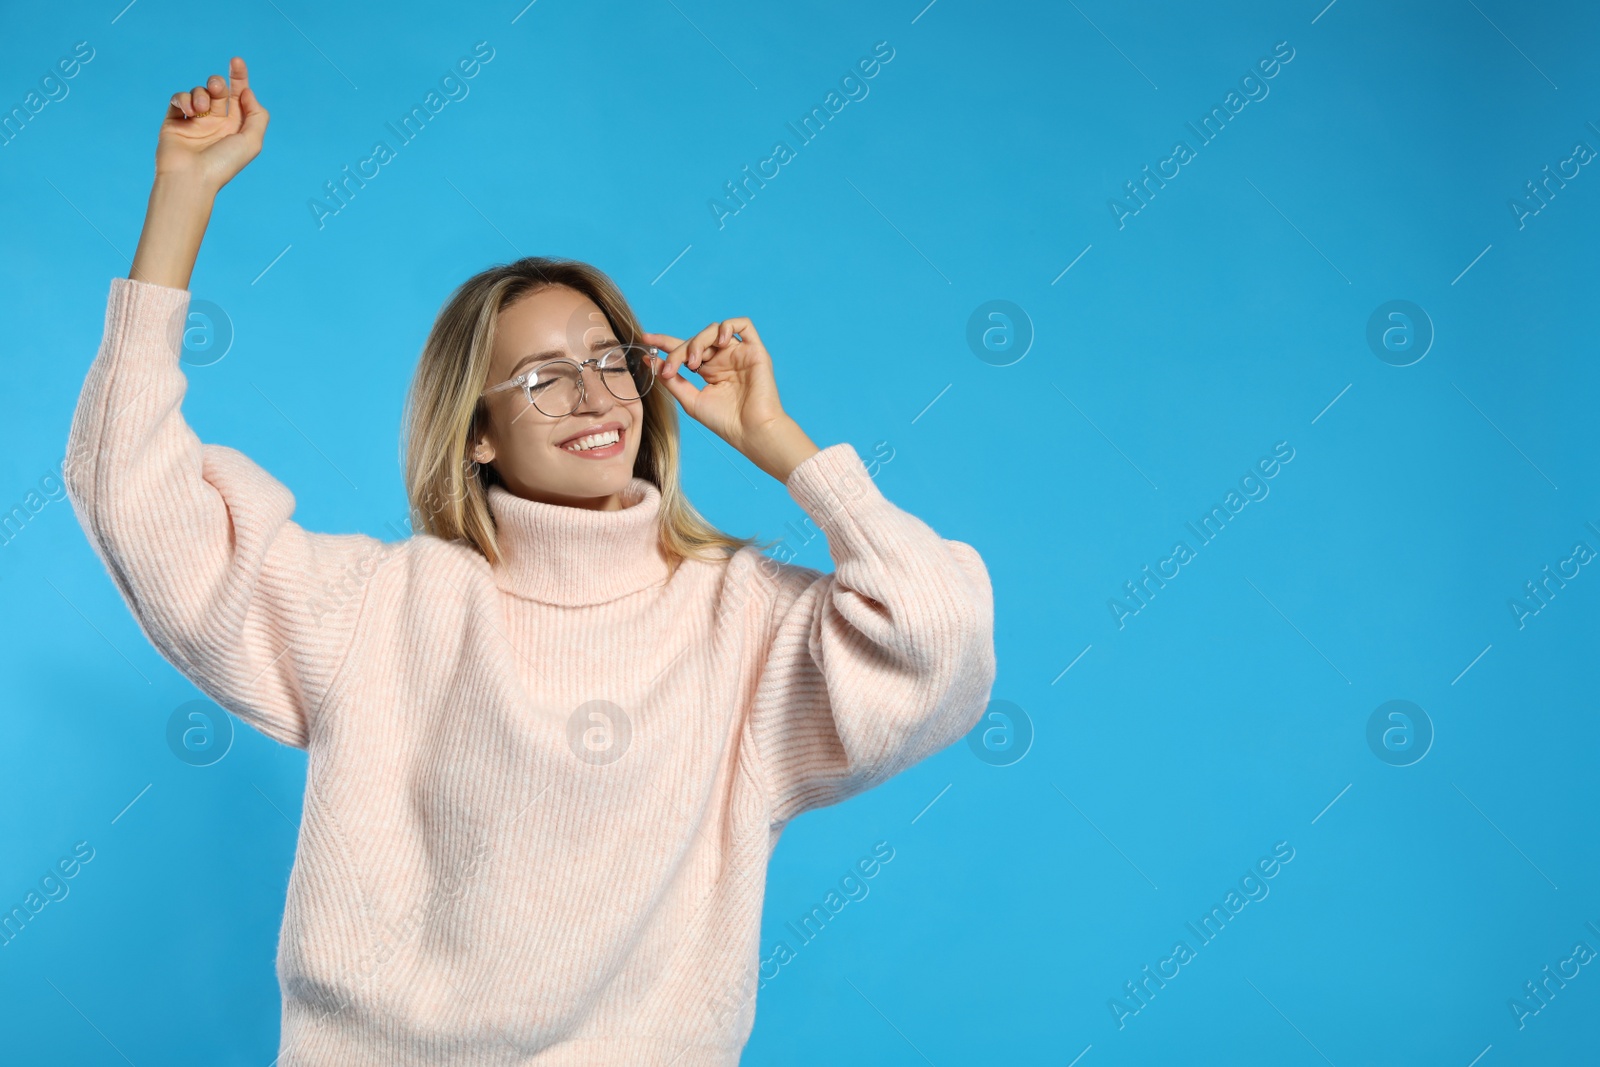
874	667
257	612
210	133
865	671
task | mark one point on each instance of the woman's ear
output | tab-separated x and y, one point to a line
479	450
479	447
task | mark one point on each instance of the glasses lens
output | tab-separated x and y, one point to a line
626	371
554	389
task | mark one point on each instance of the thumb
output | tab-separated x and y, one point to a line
255	116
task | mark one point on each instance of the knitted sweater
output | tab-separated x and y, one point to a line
540	796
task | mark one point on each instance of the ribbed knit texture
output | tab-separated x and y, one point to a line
540	796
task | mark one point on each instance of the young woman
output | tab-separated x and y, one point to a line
553	736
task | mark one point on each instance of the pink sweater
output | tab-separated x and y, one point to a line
540	797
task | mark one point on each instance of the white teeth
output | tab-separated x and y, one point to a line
594	440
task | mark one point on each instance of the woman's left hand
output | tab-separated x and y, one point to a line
739	402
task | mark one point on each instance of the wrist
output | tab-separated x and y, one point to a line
779	446
184	188
175	222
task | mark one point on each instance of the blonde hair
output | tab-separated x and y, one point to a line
445	414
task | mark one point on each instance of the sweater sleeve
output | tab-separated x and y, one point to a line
254	610
874	667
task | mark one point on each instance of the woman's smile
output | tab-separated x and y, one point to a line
602	442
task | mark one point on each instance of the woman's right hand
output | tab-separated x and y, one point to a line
212	131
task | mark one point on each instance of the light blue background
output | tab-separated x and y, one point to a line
1223	318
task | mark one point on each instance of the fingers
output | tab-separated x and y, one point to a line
255	116
702	346
217	90
215	97
191	104
723	336
741	326
698	345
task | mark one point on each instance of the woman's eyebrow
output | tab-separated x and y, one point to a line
541	357
538	357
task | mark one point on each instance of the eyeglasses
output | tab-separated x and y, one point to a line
556	388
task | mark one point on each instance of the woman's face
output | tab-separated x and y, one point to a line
524	445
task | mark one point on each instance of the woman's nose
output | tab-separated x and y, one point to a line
595	396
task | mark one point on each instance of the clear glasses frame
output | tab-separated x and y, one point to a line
525	381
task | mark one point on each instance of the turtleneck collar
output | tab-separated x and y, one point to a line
573	556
